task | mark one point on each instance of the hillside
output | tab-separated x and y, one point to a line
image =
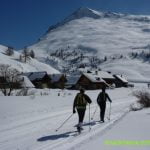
91	39
29	66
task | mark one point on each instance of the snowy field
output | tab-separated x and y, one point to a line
133	127
30	123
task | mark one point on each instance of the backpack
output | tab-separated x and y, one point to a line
81	101
101	97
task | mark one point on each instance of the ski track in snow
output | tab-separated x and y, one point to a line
42	130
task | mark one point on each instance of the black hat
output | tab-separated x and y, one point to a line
104	88
82	90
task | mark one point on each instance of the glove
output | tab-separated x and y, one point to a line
74	111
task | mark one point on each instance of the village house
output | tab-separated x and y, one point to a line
90	82
106	76
39	79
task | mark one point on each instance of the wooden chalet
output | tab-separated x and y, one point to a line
39	79
58	81
90	82
72	81
120	81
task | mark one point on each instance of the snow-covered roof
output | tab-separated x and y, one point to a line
55	77
100	74
27	74
27	83
121	78
104	75
72	79
94	77
35	75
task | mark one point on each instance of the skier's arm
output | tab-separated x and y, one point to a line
74	104
98	98
107	96
87	99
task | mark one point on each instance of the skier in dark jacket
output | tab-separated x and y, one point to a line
101	100
80	103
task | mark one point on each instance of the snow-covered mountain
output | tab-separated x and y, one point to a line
29	66
87	38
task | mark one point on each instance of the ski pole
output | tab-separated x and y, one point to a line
89	119
109	112
94	113
64	122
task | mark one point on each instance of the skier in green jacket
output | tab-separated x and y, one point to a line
80	103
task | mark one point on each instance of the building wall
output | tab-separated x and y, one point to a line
109	81
45	82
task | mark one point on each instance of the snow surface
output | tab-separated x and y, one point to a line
30	122
133	127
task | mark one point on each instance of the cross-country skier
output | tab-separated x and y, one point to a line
101	100
80	103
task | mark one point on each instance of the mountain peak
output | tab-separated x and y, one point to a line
78	14
84	12
90	13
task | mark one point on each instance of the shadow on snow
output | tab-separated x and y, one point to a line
92	123
63	135
56	136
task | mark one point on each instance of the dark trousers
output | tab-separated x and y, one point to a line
81	113
102	110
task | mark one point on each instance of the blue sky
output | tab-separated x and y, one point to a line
22	22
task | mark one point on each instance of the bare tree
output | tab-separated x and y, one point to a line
105	58
20	57
10	51
9	79
26	54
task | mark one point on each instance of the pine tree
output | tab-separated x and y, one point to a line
32	54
